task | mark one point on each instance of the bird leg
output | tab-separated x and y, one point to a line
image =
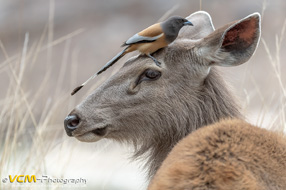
154	59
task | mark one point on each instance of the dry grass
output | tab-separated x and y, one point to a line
277	120
32	136
36	144
26	138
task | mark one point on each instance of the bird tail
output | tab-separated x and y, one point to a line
112	61
105	67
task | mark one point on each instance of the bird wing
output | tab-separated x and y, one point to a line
139	39
147	35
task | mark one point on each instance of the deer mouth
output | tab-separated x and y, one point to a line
93	135
100	131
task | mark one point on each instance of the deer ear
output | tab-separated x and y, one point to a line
203	26
232	44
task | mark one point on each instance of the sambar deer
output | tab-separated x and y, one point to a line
154	107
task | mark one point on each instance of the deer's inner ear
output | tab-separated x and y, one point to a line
241	36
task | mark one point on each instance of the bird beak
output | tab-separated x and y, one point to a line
188	23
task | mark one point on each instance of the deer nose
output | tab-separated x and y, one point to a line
71	123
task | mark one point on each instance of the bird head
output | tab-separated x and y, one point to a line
177	22
172	25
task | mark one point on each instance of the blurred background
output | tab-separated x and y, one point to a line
48	47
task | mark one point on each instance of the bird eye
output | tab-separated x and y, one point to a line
149	75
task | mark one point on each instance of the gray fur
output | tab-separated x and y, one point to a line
154	115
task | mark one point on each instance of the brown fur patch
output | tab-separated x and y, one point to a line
230	154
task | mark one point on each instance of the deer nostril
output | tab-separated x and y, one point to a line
71	123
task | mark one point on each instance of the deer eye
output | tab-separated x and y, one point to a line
149	75
152	74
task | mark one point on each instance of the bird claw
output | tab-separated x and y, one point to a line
158	63
155	60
